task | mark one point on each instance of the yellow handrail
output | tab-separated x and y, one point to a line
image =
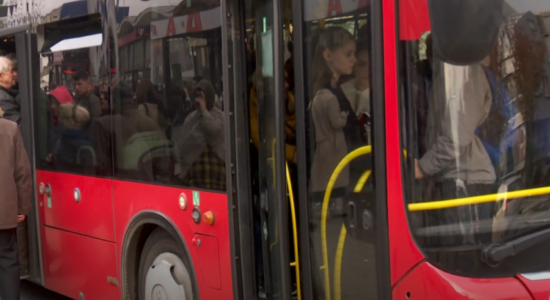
342	240
296	263
412	207
343	163
478	199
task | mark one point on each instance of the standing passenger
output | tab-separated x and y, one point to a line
16	187
337	130
456	159
85	97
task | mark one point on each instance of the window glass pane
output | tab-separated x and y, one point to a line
69	112
339	100
147	54
139	55
168	126
476	123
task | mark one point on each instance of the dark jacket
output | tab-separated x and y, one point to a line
91	103
11	105
15	176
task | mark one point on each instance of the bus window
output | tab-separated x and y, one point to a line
168	120
68	108
475	122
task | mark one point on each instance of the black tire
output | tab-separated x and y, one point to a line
159	242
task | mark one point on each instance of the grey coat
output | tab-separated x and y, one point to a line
330	141
460	101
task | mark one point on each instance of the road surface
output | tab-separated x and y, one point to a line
31	291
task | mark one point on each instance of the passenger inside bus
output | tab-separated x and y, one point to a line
200	142
457	161
357	89
479	127
84	95
149	102
70	124
134	135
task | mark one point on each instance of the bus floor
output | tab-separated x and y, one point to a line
358	273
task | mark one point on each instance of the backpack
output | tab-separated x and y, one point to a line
495	132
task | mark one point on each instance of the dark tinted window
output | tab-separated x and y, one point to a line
68	106
476	122
168	126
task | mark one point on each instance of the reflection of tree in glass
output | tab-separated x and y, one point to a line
529	57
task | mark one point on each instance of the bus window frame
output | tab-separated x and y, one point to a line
239	178
29	85
378	86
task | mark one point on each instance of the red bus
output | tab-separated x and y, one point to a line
240	149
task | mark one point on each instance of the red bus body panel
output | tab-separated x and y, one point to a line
82	242
92	216
540	289
75	264
426	282
131	198
403	252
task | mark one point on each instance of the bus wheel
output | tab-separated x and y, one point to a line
163	269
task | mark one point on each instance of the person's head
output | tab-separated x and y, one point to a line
123	97
196	80
58	96
6	73
207	88
81	83
13	58
362	69
334	56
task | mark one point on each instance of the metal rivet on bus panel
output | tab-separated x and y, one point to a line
77	195
81	296
42	188
183	201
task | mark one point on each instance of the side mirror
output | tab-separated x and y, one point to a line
464	31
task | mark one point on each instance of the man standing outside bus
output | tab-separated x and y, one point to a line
85	97
12	105
16	187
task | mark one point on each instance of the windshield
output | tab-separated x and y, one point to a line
475	77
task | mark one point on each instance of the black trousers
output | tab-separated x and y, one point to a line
9	265
23	244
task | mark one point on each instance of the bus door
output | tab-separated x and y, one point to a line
316	101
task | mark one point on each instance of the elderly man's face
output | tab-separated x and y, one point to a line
7	78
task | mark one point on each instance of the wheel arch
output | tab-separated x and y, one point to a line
136	234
